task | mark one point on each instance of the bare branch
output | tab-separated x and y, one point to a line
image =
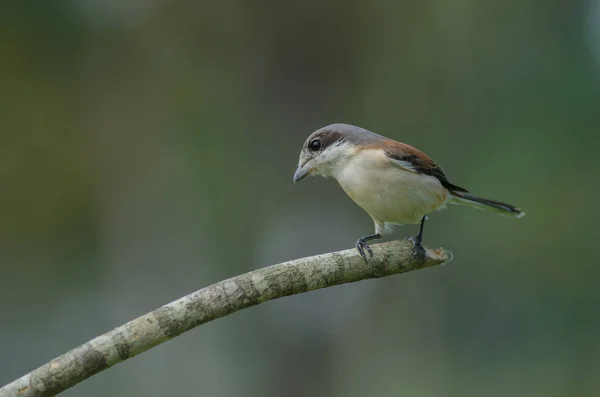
212	302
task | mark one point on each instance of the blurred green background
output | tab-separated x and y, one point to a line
147	150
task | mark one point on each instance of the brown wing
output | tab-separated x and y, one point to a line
419	162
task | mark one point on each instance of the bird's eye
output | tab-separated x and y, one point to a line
315	145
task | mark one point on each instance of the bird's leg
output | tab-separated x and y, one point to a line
362	246
418	250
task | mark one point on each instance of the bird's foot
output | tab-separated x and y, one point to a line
362	246
418	253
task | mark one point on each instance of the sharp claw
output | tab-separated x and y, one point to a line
361	245
419	253
359	249
369	250
418	250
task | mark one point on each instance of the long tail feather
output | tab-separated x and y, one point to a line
469	200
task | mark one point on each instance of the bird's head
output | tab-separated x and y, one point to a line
329	148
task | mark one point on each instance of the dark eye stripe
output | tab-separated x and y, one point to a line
327	138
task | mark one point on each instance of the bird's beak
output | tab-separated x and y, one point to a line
301	172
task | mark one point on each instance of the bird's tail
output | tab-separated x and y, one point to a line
462	198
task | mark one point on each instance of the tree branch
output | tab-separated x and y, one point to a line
212	302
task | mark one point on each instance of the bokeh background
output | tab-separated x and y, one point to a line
147	150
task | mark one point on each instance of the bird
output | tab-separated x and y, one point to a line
393	182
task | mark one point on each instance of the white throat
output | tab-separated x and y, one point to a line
335	159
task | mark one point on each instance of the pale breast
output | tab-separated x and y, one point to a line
390	194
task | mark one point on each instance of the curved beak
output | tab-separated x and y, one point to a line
301	172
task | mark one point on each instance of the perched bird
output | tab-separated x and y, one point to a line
393	182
